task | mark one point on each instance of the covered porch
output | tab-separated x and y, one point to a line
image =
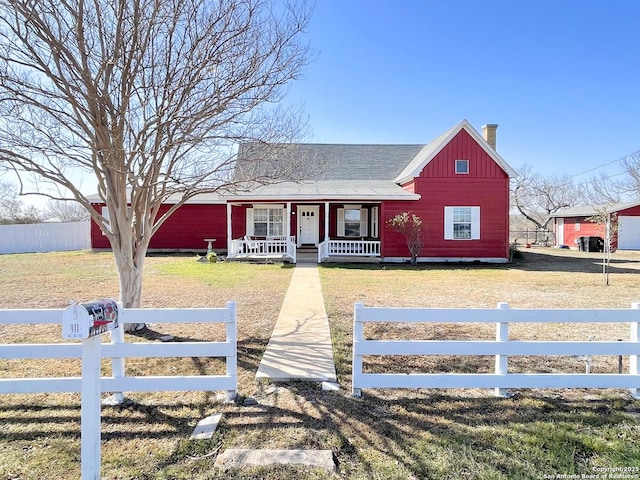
276	231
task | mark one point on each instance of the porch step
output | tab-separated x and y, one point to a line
307	255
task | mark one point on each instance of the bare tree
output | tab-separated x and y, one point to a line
604	190
150	97
65	211
536	196
607	219
631	181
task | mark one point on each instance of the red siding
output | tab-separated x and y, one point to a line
185	229
630	212
575	227
491	195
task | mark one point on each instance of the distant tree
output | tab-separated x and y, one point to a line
150	97
604	190
13	210
536	196
66	211
410	226
631	180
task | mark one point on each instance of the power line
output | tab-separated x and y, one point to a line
605	165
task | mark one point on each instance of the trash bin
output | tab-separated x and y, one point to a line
595	244
581	243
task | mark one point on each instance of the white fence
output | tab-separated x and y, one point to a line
117	350
501	348
45	237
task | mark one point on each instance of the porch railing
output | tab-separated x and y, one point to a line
246	247
348	248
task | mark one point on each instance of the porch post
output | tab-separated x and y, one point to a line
288	221
229	230
326	221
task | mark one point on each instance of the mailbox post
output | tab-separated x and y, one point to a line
87	322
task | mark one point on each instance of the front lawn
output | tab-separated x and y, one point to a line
394	434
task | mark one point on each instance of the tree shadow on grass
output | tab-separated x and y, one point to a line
388	434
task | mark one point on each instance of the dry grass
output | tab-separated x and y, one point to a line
388	434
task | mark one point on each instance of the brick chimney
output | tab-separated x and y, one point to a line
489	133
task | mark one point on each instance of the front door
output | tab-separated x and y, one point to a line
308	223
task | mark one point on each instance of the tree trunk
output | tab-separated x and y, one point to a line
130	268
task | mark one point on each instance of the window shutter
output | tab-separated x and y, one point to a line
364	222
448	223
374	222
475	223
341	222
249	226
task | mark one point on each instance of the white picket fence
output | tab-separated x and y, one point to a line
45	237
501	348
118	350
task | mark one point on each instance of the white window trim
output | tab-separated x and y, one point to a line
466	162
475	223
364	221
107	219
249	217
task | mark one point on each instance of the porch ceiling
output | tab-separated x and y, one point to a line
334	190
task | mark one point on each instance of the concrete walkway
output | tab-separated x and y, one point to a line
300	347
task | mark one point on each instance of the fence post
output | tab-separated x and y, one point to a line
633	359
117	363
90	392
502	335
232	338
356	365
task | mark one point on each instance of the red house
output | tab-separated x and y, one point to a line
569	224
457	184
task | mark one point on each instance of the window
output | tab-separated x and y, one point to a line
105	214
462	166
265	221
352	221
461	223
577	225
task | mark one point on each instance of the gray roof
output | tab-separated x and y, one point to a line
327	161
591	210
347	190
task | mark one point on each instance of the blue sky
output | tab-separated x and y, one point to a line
559	77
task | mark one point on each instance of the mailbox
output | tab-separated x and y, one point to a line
84	320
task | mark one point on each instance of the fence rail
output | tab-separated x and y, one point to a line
501	348
117	351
